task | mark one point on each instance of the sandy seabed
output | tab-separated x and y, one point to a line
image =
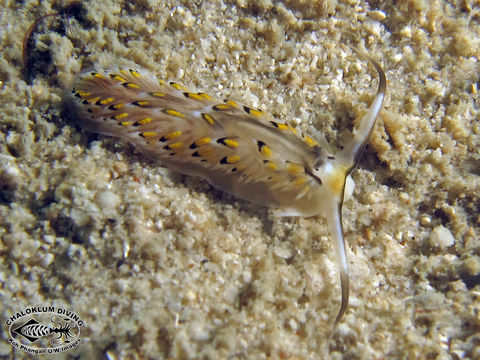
159	265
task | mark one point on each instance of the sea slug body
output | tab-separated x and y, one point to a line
235	148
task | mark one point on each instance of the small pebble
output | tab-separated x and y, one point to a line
377	15
441	237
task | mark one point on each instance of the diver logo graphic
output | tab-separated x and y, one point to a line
44	330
